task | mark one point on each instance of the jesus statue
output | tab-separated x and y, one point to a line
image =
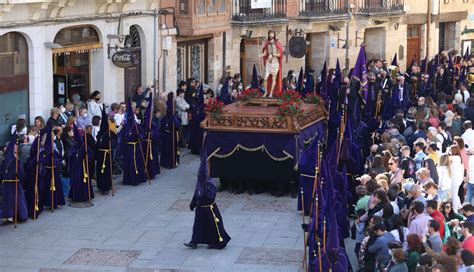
272	55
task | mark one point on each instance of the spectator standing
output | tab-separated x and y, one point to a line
444	177
457	170
94	106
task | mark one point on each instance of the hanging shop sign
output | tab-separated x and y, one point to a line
123	59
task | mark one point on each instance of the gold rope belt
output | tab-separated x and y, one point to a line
10	180
134	155
53	187
84	170
149	148
106	151
216	220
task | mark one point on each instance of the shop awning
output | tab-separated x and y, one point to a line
77	48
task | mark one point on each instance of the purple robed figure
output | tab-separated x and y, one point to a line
134	166
208	227
11	176
106	142
360	73
196	131
33	181
81	185
306	167
151	146
169	153
53	194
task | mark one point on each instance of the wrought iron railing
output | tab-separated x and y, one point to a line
374	6
242	11
316	8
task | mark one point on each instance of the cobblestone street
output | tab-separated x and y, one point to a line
143	229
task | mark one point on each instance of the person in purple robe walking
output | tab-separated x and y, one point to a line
151	143
169	152
14	207
106	143
208	225
33	181
80	156
53	194
134	171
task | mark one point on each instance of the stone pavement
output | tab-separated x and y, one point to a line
143	228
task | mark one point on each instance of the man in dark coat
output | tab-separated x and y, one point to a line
11	175
53	194
151	144
134	171
106	143
208	226
169	153
80	156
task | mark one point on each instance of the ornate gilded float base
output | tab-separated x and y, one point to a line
259	115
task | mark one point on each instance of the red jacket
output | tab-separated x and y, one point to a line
440	219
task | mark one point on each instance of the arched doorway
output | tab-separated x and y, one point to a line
72	49
14	81
133	74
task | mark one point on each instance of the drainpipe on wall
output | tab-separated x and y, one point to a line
428	26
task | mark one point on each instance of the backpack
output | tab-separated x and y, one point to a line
447	142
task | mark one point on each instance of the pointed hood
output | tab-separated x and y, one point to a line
200	99
423	66
170	104
360	71
10	149
324	76
149	113
308	159
77	137
130	114
254	84
413	61
34	147
225	95
308	85
467	54
203	172
48	145
394	60
300	81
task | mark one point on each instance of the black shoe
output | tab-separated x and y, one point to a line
191	245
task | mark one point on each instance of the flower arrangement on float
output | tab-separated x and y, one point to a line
214	107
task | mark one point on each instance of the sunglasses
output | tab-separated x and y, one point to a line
447	207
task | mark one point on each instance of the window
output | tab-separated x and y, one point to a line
222	6
183	7
77	35
413	31
13	54
212	6
201	7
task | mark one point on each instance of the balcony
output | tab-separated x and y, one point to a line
380	6
242	12
196	18
323	8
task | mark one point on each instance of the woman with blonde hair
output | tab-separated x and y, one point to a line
382	181
444	177
457	174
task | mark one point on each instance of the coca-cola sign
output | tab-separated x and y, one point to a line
123	59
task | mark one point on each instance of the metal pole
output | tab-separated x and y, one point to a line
155	86
428	26
347	46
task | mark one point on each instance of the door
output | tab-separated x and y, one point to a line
442	31
133	75
413	43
